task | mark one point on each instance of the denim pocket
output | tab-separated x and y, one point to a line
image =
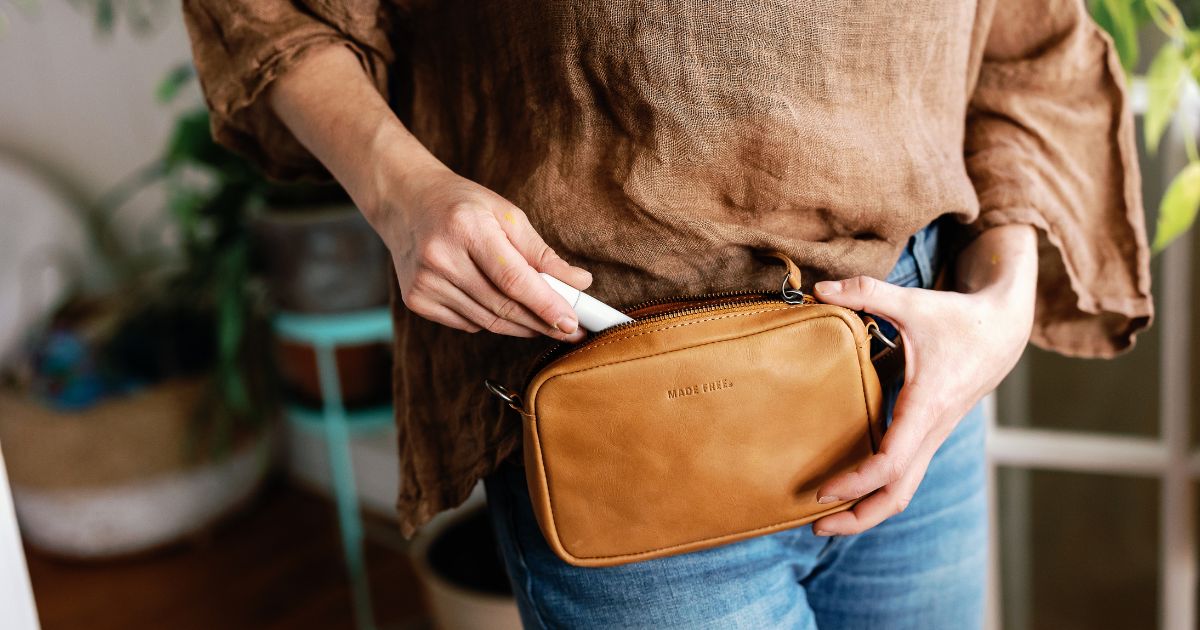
916	267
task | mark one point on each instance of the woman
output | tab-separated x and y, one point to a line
656	146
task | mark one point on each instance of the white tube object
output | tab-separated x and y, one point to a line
593	314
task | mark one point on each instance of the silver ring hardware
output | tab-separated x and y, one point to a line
503	393
790	295
878	334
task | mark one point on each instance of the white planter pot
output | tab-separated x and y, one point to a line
455	606
118	477
117	520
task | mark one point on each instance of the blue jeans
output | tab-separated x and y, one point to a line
923	568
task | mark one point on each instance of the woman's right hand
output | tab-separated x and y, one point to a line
467	258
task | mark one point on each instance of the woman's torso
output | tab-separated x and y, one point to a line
657	144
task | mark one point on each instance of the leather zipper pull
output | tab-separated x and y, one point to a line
791	288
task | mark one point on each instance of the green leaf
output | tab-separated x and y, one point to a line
1162	90
1119	18
176	78
106	16
190	139
1178	208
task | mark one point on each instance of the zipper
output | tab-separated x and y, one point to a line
729	299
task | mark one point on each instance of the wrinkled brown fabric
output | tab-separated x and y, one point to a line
657	144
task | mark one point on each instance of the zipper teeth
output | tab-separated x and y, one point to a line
762	297
685	298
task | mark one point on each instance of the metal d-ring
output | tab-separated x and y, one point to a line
790	295
873	328
503	393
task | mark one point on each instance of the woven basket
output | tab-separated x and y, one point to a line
118	478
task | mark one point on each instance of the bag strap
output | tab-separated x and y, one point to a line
888	361
791	286
792	280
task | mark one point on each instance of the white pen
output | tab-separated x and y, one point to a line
593	314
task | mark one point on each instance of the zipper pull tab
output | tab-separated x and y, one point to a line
503	393
791	295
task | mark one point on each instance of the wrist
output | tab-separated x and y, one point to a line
1001	262
397	165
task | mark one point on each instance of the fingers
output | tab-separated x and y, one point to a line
893	473
505	318
529	243
519	282
470	293
443	315
873	510
864	293
465	253
489	319
901	443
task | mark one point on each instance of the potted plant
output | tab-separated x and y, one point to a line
1174	68
141	414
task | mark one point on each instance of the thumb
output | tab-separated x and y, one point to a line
864	293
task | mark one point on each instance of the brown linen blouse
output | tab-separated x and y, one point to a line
658	144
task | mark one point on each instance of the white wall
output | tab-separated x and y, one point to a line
78	114
80	103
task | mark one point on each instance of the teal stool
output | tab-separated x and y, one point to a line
325	333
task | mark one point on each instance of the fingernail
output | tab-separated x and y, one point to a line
829	498
566	325
828	287
822	532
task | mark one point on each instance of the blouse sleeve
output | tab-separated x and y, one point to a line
240	46
1050	143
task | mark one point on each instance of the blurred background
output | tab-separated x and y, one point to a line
195	420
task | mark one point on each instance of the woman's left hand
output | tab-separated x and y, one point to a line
958	346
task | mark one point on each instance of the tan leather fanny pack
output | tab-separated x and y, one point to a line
707	420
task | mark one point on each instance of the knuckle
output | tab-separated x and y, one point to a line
422	283
434	255
468	327
416	304
507	309
496	325
510	277
894	469
864	284
464	210
516	215
463	217
545	255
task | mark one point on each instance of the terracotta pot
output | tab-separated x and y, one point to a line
324	259
120	477
466	586
364	372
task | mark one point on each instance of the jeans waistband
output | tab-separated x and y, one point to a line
918	266
921	258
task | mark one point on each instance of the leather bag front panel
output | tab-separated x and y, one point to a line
700	432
